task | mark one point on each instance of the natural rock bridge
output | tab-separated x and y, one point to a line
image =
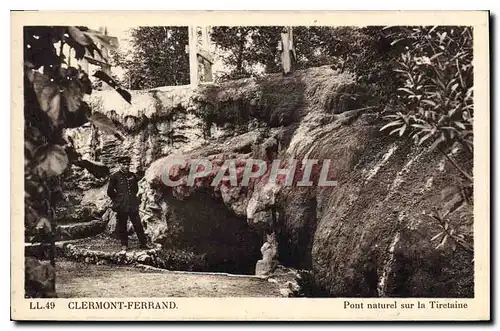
363	237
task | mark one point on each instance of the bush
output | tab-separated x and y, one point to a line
434	105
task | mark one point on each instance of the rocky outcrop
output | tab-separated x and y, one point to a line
380	219
80	230
82	198
211	219
267	265
368	235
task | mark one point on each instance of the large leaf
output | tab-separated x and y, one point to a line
51	161
72	96
398	122
79	36
102	40
427	136
47	94
71	152
97	169
106	125
111	82
78	118
93	47
437	143
94	61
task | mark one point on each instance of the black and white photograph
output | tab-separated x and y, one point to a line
249	161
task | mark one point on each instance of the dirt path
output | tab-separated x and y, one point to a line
87	280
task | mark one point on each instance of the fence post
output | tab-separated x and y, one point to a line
193	60
199	54
287	50
206	57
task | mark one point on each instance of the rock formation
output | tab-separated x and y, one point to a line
365	236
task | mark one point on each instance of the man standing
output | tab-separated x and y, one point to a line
122	189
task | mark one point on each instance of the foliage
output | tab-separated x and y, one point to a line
233	42
313	46
435	105
248	48
359	50
98	85
157	57
106	125
244	49
453	231
53	100
368	54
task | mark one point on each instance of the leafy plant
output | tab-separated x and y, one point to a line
450	232
435	104
106	125
54	100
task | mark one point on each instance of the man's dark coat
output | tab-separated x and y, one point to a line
122	189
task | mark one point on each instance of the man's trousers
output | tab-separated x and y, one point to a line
121	226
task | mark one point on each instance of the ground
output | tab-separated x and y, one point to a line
80	280
105	243
95	267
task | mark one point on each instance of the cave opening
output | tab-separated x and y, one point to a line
208	228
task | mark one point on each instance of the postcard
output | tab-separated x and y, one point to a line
250	166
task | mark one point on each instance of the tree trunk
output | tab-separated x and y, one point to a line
241	48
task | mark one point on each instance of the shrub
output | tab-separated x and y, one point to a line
435	103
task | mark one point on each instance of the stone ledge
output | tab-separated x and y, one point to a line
71	251
80	230
151	268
